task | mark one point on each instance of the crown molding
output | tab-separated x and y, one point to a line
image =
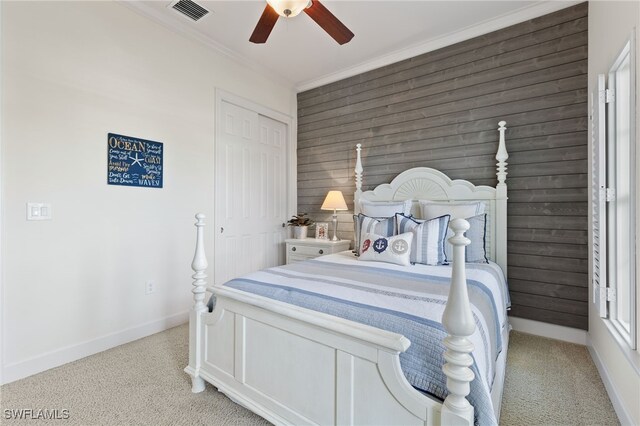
484	27
497	23
177	25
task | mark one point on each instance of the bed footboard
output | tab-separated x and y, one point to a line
292	365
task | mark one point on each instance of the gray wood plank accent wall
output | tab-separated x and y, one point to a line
441	110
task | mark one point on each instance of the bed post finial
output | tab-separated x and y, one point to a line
199	265
359	170
501	201
502	157
459	325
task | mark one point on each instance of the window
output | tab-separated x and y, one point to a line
614	196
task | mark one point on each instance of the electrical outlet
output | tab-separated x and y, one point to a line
149	287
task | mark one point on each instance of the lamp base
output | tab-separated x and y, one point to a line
335	226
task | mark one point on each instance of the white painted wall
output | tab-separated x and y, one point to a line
610	24
71	73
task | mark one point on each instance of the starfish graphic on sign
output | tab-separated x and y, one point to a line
137	160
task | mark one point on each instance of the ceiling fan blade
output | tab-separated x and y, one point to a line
329	22
265	25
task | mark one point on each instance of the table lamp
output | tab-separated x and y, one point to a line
334	201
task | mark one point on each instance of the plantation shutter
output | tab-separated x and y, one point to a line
599	198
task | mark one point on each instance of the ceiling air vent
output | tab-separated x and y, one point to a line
190	9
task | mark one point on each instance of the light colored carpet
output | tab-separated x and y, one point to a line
550	382
142	383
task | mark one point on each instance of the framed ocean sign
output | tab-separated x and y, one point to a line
134	162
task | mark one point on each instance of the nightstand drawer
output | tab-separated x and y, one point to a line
293	258
308	248
301	250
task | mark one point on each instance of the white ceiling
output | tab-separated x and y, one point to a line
300	54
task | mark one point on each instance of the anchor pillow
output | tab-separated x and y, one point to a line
395	249
428	238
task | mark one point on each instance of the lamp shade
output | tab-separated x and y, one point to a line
288	8
334	201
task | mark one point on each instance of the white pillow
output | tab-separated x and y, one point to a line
385	208
455	209
395	249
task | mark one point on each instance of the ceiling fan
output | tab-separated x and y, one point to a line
291	8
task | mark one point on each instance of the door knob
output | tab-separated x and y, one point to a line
221	229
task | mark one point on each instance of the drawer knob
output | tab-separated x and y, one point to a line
293	249
321	251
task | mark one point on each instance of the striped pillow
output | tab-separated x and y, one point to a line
457	209
428	238
363	224
476	251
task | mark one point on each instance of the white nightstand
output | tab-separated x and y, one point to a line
308	248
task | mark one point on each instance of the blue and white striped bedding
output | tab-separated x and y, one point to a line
408	300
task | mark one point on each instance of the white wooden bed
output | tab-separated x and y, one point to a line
292	365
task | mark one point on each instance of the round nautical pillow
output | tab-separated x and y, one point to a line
378	248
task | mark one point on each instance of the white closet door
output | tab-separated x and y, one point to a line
250	192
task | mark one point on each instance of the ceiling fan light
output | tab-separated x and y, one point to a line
289	8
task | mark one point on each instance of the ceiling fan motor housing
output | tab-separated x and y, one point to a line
289	8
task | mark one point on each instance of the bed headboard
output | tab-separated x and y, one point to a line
424	183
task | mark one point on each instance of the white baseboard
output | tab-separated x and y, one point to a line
58	357
551	331
623	414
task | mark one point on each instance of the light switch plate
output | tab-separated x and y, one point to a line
39	211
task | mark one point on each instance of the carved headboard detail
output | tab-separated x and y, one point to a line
424	183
